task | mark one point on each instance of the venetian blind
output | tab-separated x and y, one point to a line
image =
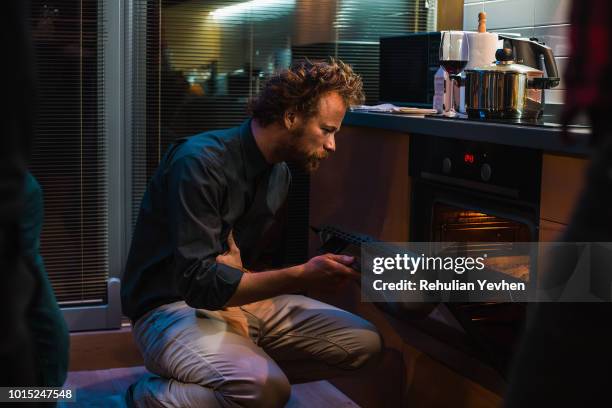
70	151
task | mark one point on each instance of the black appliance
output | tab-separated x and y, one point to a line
465	191
408	64
534	54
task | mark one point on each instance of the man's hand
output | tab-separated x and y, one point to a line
323	273
232	256
327	270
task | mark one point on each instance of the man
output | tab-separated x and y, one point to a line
214	334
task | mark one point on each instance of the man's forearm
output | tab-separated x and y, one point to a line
263	285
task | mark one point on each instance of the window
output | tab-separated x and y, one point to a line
71	158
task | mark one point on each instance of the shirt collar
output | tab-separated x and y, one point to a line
254	161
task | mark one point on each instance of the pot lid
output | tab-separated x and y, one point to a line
505	63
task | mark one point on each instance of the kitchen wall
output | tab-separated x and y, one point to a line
547	20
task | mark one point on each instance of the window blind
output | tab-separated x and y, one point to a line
69	156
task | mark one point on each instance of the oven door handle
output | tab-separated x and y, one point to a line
505	191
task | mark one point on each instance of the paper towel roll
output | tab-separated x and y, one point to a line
482	48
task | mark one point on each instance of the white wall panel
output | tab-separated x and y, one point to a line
555	96
509	13
556	37
470	16
548	12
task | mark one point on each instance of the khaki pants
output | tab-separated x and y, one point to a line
247	356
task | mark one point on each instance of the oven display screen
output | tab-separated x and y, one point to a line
468	158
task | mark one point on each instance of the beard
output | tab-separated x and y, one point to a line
298	153
310	162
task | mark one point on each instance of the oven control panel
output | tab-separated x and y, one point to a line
468	163
493	168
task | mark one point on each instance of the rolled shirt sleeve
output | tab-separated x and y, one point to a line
195	198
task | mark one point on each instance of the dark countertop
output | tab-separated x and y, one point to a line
546	136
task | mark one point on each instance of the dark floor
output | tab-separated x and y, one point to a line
105	389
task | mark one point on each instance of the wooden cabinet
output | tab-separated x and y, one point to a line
364	186
562	183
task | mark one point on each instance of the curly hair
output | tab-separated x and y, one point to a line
300	87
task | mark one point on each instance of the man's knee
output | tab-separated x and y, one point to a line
365	347
272	390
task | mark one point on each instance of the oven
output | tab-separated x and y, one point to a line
485	196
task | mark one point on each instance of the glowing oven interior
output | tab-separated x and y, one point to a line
483	233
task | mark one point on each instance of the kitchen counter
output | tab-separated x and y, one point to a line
546	136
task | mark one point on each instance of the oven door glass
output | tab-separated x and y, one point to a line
484	233
494	326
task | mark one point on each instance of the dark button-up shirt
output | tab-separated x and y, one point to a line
205	186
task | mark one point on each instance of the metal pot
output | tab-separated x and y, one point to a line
506	89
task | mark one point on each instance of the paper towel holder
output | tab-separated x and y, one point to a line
482	22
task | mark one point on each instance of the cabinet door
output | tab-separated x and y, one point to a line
364	186
562	183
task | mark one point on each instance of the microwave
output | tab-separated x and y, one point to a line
408	64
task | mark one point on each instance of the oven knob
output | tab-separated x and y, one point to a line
447	165
485	172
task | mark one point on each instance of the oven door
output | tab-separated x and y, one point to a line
443	213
